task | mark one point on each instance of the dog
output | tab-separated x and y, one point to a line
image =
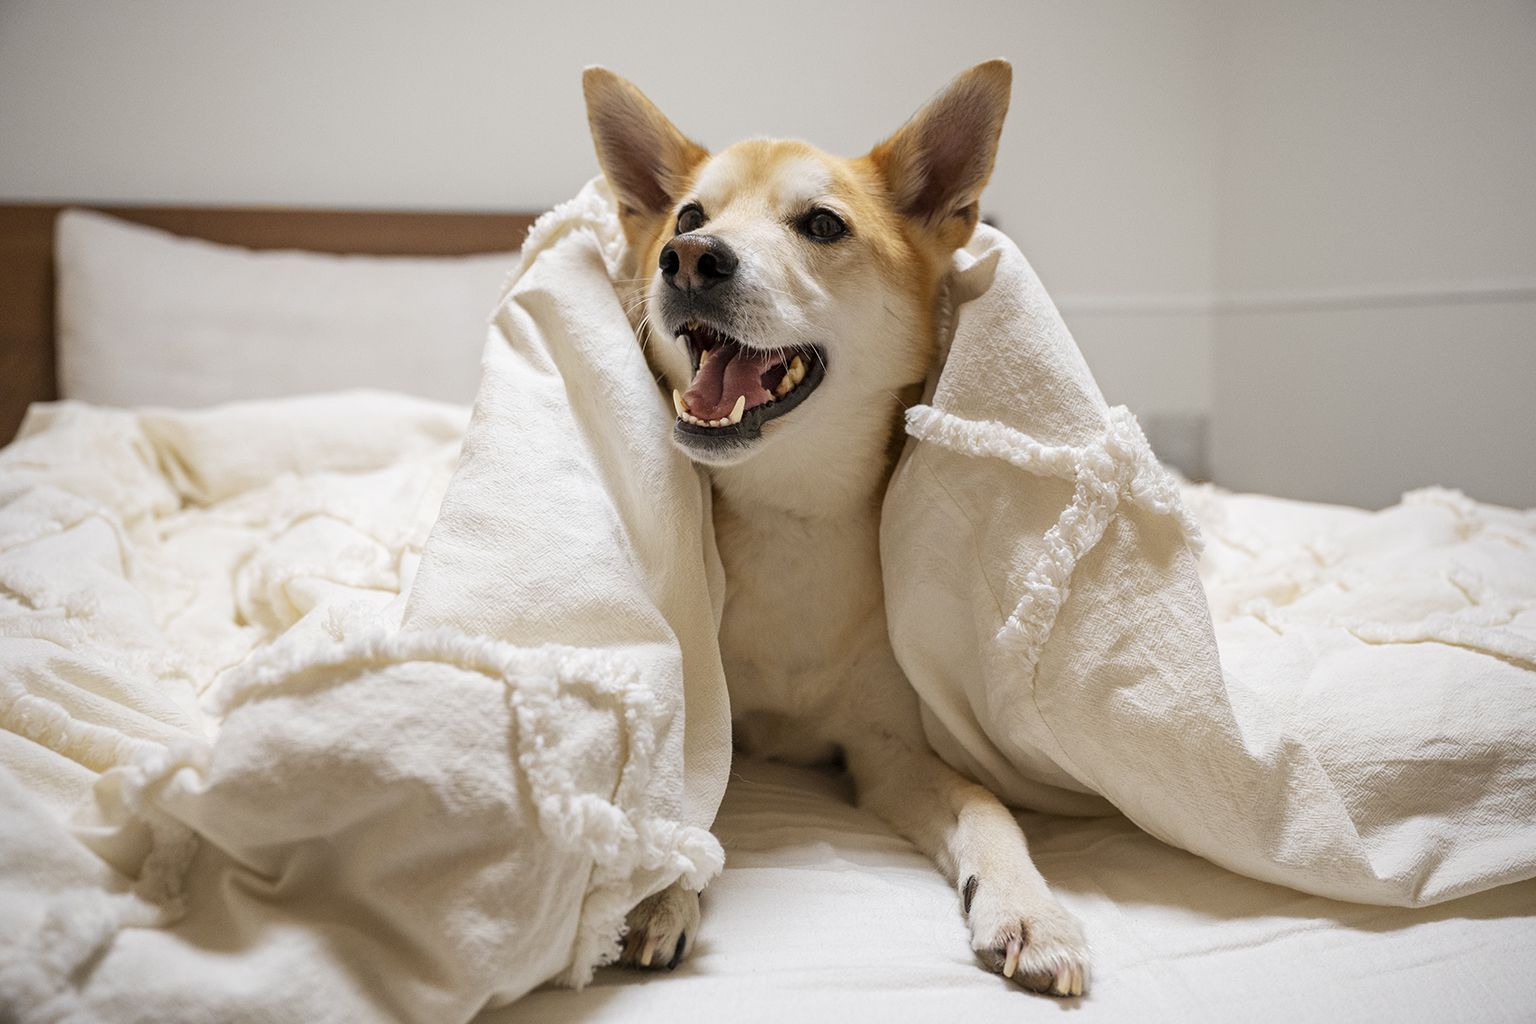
787	299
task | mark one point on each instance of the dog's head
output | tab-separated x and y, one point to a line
788	293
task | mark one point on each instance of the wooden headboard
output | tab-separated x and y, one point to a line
27	361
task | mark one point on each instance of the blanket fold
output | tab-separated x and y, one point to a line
1043	585
329	709
405	775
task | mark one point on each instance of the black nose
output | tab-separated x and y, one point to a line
696	263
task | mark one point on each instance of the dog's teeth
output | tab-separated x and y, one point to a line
677	403
785	384
703	357
797	369
682	339
739	408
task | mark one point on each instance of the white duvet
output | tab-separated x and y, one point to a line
311	715
304	708
150	540
1343	704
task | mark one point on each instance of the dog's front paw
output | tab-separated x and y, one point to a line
661	928
1026	936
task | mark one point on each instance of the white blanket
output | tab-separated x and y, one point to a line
1359	721
269	744
257	764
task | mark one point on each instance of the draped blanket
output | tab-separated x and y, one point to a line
326	709
1358	720
274	750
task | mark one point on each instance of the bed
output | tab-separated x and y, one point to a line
821	911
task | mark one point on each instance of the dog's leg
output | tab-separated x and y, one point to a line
661	929
1017	927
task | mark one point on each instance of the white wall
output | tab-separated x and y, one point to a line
1313	219
1104	173
1376	249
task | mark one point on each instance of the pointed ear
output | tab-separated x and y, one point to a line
938	162
645	158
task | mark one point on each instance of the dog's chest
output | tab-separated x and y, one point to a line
803	604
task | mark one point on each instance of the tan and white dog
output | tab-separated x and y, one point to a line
788	298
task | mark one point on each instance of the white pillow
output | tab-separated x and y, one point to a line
149	318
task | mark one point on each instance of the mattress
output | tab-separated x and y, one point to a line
823	914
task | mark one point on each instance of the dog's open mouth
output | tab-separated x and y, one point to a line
736	389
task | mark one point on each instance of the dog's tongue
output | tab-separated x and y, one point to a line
730	372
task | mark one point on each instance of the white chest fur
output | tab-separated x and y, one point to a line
804	638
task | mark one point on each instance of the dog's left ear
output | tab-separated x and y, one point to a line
643	155
938	162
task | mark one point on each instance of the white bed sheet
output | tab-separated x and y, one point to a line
822	914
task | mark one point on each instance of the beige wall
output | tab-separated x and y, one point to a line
1313	220
1104	174
1376	249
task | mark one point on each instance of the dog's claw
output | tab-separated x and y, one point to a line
677	954
1069	981
1028	938
658	930
1011	963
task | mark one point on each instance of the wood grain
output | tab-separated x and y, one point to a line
28	363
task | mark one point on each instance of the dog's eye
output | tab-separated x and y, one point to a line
690	219
824	226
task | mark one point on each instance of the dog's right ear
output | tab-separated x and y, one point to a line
644	157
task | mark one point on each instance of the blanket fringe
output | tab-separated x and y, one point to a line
621	836
1118	466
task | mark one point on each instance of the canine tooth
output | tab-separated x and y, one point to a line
677	403
682	339
739	408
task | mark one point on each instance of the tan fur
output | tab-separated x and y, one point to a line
808	662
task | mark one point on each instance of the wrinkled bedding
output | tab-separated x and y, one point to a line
313	714
123	530
1340	705
823	914
309	689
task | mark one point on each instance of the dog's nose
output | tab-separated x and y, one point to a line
696	263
